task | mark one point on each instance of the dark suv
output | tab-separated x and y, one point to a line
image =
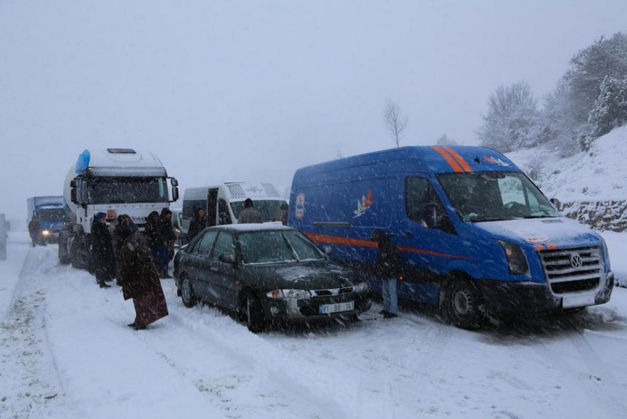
267	273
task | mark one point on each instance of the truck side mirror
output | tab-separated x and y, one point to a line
175	189
73	195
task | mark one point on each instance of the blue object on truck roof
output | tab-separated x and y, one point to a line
83	161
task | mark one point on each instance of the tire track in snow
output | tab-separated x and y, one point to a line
27	360
241	370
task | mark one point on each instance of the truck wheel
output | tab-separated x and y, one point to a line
187	293
64	258
78	254
462	305
254	314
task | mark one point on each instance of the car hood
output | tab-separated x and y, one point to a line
560	231
301	275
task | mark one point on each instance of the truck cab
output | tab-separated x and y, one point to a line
114	181
475	234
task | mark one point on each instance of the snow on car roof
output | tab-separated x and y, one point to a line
257	227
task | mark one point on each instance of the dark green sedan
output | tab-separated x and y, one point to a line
267	274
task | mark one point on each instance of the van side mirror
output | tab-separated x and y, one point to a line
435	217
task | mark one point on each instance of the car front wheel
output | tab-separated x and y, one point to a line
187	293
254	314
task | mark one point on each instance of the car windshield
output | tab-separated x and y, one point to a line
270	210
54	214
118	190
495	196
277	247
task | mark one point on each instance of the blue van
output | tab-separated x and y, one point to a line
476	235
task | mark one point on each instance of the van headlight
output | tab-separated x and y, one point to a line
45	233
361	287
289	294
606	253
516	259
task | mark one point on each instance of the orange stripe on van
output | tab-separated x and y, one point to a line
459	159
321	238
428	252
450	160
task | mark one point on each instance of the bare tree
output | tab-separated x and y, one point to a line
395	122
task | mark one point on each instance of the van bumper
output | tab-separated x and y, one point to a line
534	298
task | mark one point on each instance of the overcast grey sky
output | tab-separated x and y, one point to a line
252	90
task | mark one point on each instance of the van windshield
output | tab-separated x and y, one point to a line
54	214
270	210
495	196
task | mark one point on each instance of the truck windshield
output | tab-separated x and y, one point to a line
53	214
118	190
495	196
270	210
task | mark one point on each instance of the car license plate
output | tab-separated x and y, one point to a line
578	301
336	308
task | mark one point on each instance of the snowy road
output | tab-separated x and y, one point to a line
66	353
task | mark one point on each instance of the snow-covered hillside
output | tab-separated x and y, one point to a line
595	175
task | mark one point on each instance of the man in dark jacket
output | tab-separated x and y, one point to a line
166	236
249	214
388	270
139	278
33	230
198	223
103	259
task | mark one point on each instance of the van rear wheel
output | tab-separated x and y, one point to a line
462	305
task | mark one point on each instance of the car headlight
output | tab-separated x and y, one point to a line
45	233
361	287
516	259
289	294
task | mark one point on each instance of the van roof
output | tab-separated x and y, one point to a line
238	191
425	159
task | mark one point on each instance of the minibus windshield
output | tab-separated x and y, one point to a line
495	196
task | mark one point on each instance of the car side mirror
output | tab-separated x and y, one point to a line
556	203
328	250
227	258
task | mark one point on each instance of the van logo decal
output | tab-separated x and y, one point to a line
299	211
364	204
495	160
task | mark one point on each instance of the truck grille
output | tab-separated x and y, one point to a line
572	270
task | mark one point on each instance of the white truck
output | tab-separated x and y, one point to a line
115	181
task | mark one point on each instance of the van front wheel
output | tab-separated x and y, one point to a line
462	305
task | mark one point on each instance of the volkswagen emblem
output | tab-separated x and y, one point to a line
575	260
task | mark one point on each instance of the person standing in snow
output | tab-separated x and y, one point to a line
284	212
249	214
166	236
103	259
152	234
198	223
388	270
139	277
33	230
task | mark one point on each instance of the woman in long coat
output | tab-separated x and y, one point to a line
139	277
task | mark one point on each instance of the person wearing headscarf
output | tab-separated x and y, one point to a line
139	277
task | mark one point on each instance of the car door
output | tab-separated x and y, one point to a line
199	263
223	277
